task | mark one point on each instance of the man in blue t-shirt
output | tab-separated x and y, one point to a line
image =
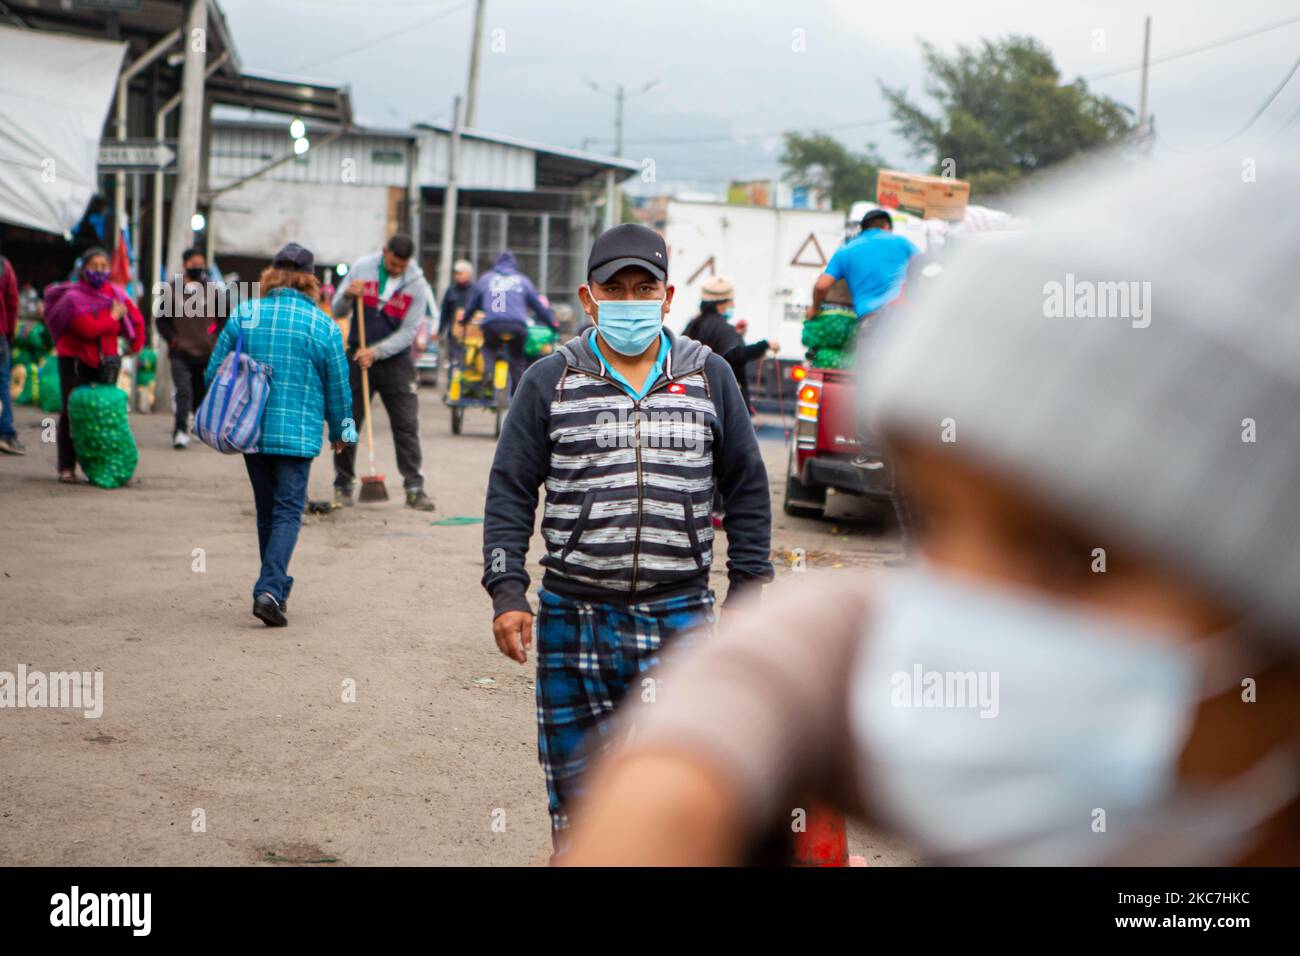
874	265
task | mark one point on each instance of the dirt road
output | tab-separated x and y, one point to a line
210	717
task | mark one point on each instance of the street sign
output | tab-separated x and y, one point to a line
125	6
137	155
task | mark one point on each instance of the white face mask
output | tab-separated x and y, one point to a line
996	726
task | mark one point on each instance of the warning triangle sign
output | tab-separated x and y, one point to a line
708	264
815	259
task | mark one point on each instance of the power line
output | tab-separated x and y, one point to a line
1197	49
375	41
1254	116
737	137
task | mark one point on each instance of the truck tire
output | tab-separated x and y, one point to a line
802	501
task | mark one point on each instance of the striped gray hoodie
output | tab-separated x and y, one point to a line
629	483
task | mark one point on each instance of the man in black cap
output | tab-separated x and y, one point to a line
631	429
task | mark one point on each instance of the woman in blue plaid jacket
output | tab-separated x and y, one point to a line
285	330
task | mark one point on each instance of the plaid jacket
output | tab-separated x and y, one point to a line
309	371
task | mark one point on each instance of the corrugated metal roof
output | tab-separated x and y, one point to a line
361	158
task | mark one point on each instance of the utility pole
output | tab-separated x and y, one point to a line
1146	69
620	96
450	196
190	140
471	91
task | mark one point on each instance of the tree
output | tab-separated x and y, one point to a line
1003	113
824	162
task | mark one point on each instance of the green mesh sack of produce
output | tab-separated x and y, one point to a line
539	337
34	337
829	329
48	395
148	367
832	358
31	384
101	434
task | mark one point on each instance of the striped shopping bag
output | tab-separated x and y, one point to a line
229	418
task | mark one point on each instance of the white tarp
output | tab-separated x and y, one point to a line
55	91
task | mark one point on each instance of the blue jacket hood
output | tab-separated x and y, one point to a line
505	263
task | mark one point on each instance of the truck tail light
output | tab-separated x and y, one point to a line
807	409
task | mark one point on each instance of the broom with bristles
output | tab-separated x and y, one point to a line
372	485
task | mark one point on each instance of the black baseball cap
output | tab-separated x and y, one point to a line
294	258
627	245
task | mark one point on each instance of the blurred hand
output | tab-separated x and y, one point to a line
356	287
338	446
513	631
365	357
810	312
117	310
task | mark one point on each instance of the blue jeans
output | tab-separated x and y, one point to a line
280	493
6	405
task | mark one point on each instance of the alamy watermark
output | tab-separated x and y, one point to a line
196	300
945	689
652	428
79	690
1085	299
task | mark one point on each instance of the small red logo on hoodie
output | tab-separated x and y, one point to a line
677	388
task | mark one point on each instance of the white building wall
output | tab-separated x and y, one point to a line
483	164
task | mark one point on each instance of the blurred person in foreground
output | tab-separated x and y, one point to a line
1097	659
309	391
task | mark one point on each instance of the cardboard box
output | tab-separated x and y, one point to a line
930	197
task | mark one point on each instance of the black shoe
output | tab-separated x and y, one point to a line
419	501
269	611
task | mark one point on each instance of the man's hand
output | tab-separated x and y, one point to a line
365	357
513	631
338	446
357	287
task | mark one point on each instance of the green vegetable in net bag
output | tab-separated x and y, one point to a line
101	434
148	367
48	395
832	358
830	329
539	337
31	384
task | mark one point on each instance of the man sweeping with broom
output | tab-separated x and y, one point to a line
386	295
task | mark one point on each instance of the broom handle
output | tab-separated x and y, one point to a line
365	385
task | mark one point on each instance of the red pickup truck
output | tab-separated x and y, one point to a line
826	449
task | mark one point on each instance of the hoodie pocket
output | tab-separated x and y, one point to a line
580	525
692	533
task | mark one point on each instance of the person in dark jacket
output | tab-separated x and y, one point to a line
454	299
713	327
190	323
631	430
505	295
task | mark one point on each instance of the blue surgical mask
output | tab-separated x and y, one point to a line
628	326
995	725
728	313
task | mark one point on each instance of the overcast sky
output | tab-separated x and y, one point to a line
730	76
